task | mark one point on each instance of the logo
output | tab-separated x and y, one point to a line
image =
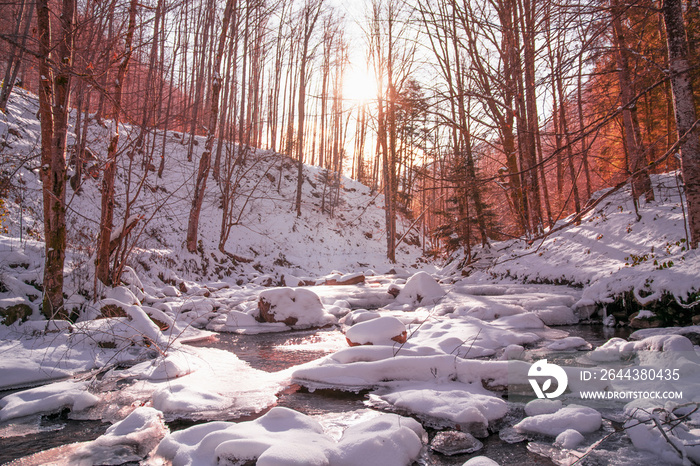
543	369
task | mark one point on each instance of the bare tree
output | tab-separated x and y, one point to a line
686	115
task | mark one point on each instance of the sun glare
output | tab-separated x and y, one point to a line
360	85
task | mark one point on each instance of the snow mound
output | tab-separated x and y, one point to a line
580	418
129	440
421	288
47	399
286	437
468	407
385	330
296	307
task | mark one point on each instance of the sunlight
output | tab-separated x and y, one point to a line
360	85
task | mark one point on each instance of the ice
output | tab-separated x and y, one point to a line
455	443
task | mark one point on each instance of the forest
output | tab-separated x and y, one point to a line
477	121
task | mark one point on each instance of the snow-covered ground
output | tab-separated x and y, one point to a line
445	361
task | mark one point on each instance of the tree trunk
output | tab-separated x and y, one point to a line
686	116
54	97
205	160
102	262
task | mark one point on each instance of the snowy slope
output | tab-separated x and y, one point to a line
267	239
611	252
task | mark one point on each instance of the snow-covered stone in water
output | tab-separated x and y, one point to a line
280	437
123	295
421	288
454	442
542	406
557	315
480	461
387	440
581	418
468	406
350	279
569	439
127	441
359	315
47	399
385	330
569	343
662	343
512	352
644	319
519	321
295	307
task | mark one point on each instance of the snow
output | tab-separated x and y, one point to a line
569	439
480	461
542	406
465	334
420	288
582	419
285	437
48	398
128	440
298	307
385	330
467	406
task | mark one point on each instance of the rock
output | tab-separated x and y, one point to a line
16	312
421	288
569	439
170	291
453	442
380	331
352	279
298	307
644	319
111	310
394	290
696	319
182	287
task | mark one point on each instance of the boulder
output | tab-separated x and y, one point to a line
644	319
297	307
385	330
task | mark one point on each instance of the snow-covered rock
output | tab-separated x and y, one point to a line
285	437
420	289
294	307
385	330
47	399
583	419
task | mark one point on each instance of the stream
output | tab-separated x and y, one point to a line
273	352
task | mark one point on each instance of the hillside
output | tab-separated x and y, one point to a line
267	240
